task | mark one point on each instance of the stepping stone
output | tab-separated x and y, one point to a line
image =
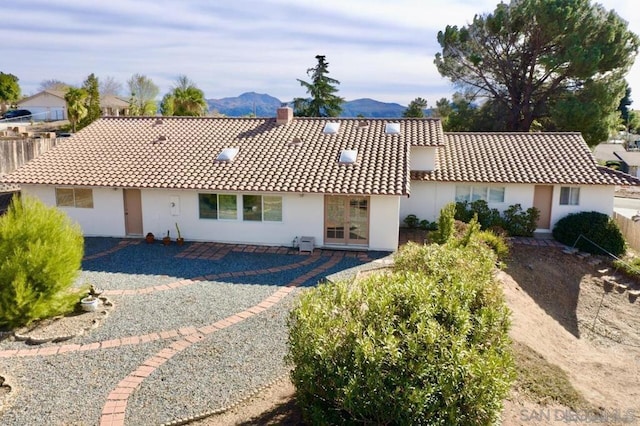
595	261
570	250
603	271
583	255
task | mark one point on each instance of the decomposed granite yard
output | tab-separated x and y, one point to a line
192	329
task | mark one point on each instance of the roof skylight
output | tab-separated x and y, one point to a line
331	128
228	154
348	156
392	128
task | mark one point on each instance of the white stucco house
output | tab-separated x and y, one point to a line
345	182
50	105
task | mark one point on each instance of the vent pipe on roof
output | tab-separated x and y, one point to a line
284	115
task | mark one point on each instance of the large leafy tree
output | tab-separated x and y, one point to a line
53	84
322	100
415	108
76	105
538	59
110	86
184	100
91	87
143	95
9	88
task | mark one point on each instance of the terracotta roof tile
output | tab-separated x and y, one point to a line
181	152
542	158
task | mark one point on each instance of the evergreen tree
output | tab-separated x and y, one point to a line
542	61
415	109
323	101
92	88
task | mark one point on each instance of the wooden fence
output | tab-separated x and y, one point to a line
630	229
16	152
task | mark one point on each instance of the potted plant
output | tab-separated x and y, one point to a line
179	240
166	240
150	238
91	301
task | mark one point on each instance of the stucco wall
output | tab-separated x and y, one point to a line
423	157
428	198
384	223
105	219
301	216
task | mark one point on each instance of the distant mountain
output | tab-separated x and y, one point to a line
262	105
372	109
246	104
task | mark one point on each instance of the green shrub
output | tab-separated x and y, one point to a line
411	221
520	223
487	217
495	242
41	251
446	224
597	227
427	344
513	220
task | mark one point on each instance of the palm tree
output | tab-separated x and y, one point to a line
188	100
76	105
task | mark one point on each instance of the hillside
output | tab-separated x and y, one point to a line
264	105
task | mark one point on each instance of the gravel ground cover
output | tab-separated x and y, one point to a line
73	387
216	372
67	389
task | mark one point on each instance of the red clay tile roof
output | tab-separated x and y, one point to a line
542	158
129	152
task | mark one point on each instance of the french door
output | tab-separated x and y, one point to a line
346	220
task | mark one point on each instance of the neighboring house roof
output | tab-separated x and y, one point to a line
607	151
111	101
180	153
55	93
107	101
540	158
619	177
632	158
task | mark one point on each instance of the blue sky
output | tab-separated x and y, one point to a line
378	49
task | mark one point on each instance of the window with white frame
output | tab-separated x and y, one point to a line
471	193
569	196
266	208
218	206
74	197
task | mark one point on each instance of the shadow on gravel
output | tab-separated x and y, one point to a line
261	268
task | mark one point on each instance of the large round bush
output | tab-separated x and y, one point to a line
426	344
40	255
597	227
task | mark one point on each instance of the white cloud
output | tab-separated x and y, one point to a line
376	48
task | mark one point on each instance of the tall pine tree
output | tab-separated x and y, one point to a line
323	101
